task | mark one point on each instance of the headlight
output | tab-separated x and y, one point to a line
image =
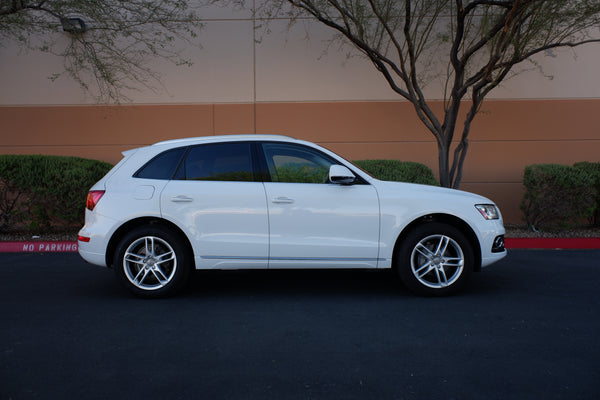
489	211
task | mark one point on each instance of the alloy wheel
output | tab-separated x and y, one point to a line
437	261
149	263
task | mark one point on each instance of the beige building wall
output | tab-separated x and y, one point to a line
247	81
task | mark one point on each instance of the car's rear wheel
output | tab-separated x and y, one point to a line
435	259
152	261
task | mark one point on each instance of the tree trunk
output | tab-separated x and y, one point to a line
444	165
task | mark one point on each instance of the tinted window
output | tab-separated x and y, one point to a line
218	162
298	164
162	166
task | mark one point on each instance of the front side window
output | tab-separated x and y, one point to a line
218	162
297	164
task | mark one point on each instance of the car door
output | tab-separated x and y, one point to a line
221	206
315	223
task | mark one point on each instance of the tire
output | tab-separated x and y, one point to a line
435	259
152	261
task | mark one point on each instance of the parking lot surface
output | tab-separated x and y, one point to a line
527	327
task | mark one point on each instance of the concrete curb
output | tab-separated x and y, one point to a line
511	243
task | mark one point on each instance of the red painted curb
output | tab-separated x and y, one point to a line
552	243
38	247
511	243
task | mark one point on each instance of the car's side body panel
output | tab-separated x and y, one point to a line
322	225
226	222
277	224
403	203
135	199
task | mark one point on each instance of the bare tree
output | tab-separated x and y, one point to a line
106	45
472	45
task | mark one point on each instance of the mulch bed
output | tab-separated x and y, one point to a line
38	237
520	231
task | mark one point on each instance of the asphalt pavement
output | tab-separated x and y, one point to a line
528	327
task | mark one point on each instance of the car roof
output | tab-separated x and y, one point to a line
223	138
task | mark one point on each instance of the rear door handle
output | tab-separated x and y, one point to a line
181	199
282	200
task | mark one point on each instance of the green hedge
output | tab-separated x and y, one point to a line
398	171
594	170
557	195
45	191
48	192
292	172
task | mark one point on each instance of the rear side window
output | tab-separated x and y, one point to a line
162	166
218	162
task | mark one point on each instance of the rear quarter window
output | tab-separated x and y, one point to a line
163	166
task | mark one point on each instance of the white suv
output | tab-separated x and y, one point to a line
258	201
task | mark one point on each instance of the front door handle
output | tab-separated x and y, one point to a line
282	200
181	199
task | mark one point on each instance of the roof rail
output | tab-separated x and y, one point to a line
233	137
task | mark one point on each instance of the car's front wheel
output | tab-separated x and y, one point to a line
152	261
435	259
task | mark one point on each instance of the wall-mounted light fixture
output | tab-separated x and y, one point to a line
73	25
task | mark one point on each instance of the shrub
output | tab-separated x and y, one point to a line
399	171
594	170
557	195
40	191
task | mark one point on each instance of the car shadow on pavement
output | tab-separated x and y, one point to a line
295	282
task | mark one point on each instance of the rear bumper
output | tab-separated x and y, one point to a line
91	256
96	234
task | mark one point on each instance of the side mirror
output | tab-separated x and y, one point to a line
341	175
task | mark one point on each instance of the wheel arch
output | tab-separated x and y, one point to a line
447	219
136	223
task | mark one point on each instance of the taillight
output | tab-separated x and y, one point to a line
93	198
